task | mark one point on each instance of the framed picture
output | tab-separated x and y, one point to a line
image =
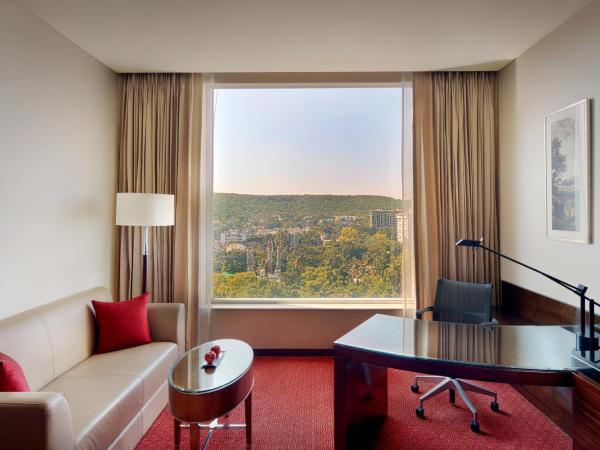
568	173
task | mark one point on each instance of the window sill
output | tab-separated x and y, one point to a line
307	306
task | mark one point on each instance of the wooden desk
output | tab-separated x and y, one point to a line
506	354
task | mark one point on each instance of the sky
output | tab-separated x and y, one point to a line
308	141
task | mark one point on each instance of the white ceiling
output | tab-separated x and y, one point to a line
303	35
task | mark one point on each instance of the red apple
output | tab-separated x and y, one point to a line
215	348
210	357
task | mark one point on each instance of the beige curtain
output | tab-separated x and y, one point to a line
455	176
159	152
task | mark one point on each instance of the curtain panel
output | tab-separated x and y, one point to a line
159	152
455	178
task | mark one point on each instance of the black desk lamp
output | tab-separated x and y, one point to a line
583	342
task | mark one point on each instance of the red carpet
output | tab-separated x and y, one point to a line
293	409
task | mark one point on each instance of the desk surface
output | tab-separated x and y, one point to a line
524	348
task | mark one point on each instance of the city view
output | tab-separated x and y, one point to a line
330	222
307	246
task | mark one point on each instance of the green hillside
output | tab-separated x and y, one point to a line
243	206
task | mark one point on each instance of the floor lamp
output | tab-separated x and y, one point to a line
145	210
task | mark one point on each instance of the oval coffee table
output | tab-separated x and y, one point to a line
199	397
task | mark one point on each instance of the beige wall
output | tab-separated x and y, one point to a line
559	70
57	164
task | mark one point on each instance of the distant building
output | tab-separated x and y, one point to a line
346	220
325	239
383	218
387	218
233	235
235	246
402	225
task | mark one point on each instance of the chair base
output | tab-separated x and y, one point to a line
454	385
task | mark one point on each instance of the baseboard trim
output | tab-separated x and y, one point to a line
293	352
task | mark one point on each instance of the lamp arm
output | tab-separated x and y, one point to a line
584	342
570	287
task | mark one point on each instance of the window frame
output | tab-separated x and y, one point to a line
280	81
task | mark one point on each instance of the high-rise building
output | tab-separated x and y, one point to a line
402	225
382	218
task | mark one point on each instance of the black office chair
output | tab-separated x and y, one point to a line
457	301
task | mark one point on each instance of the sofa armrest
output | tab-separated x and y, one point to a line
35	421
167	323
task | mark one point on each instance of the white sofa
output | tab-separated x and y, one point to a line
80	400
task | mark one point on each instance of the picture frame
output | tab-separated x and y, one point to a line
568	174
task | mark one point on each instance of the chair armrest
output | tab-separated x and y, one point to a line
167	323
420	312
35	421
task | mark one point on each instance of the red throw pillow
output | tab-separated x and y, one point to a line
122	324
12	378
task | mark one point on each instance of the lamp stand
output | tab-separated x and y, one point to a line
145	262
585	342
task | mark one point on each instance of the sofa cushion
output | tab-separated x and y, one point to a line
122	324
106	391
101	406
12	378
150	363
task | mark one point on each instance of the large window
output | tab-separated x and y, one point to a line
308	195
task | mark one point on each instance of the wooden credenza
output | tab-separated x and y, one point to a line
575	409
586	413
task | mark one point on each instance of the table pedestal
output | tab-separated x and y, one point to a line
212	426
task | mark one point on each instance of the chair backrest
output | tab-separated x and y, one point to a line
458	301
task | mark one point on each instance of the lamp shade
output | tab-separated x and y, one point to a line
145	210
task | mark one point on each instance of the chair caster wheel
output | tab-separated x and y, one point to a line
475	426
420	412
495	406
414	387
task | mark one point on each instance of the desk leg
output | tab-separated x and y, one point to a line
360	401
248	411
